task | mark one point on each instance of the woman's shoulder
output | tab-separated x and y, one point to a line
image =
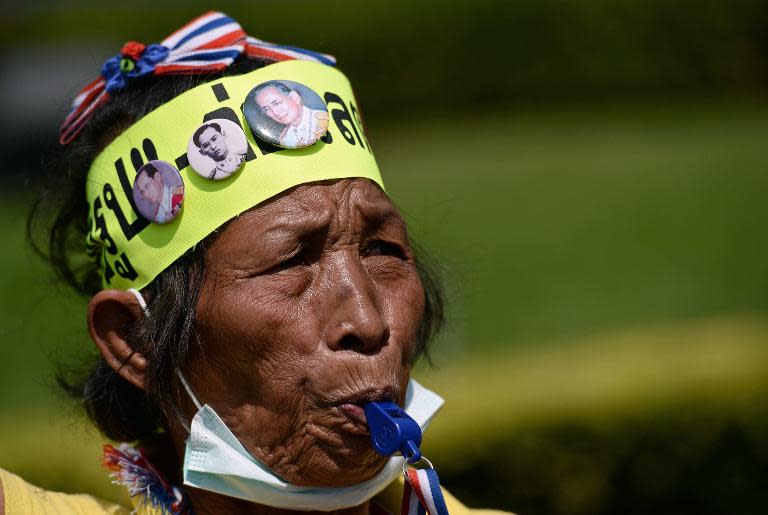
20	497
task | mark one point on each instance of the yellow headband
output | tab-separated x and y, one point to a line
132	251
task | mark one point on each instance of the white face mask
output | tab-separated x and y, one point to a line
215	460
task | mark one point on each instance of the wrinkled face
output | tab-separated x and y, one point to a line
310	307
213	144
151	188
281	107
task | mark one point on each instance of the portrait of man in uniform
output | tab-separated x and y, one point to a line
211	140
302	126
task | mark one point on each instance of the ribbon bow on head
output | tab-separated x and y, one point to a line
135	60
208	43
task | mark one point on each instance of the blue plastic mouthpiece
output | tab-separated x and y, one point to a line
392	430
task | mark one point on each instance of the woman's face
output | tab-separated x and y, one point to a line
310	307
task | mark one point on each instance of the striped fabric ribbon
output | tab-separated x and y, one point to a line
422	494
208	43
261	49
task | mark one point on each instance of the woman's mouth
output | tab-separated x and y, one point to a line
355	413
351	408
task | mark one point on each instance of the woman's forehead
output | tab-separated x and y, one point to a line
327	199
338	203
344	210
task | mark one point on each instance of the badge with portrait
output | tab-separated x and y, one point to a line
158	191
217	149
286	113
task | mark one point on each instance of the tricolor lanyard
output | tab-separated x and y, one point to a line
392	431
422	493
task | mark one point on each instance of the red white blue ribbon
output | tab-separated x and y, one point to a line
422	494
208	43
262	49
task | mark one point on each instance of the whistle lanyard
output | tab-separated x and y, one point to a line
422	494
392	431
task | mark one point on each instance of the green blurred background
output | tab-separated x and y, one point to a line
589	176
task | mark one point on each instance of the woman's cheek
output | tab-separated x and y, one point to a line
401	294
399	285
253	311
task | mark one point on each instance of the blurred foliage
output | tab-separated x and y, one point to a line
701	459
409	56
634	199
663	419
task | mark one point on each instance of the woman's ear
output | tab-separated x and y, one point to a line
110	314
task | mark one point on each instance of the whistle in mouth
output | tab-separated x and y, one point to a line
392	430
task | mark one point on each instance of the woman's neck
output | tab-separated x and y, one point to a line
209	503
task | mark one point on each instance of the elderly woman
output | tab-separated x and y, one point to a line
244	340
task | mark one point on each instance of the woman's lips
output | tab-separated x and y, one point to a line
350	407
355	413
354	419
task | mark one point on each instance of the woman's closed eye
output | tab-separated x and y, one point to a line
298	259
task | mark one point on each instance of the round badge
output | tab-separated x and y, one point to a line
158	191
286	113
217	149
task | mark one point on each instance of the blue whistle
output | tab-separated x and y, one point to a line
392	430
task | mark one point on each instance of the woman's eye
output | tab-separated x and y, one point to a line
384	248
297	260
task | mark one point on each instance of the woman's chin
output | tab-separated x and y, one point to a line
329	450
339	456
341	469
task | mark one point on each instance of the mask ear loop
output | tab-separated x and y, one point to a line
140	299
145	309
188	389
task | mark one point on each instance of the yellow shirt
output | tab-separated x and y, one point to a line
21	498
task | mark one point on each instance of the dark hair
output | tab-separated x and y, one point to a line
149	169
56	227
199	131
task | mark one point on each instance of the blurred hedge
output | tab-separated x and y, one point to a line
682	460
665	420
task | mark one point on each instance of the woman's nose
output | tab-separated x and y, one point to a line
355	320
